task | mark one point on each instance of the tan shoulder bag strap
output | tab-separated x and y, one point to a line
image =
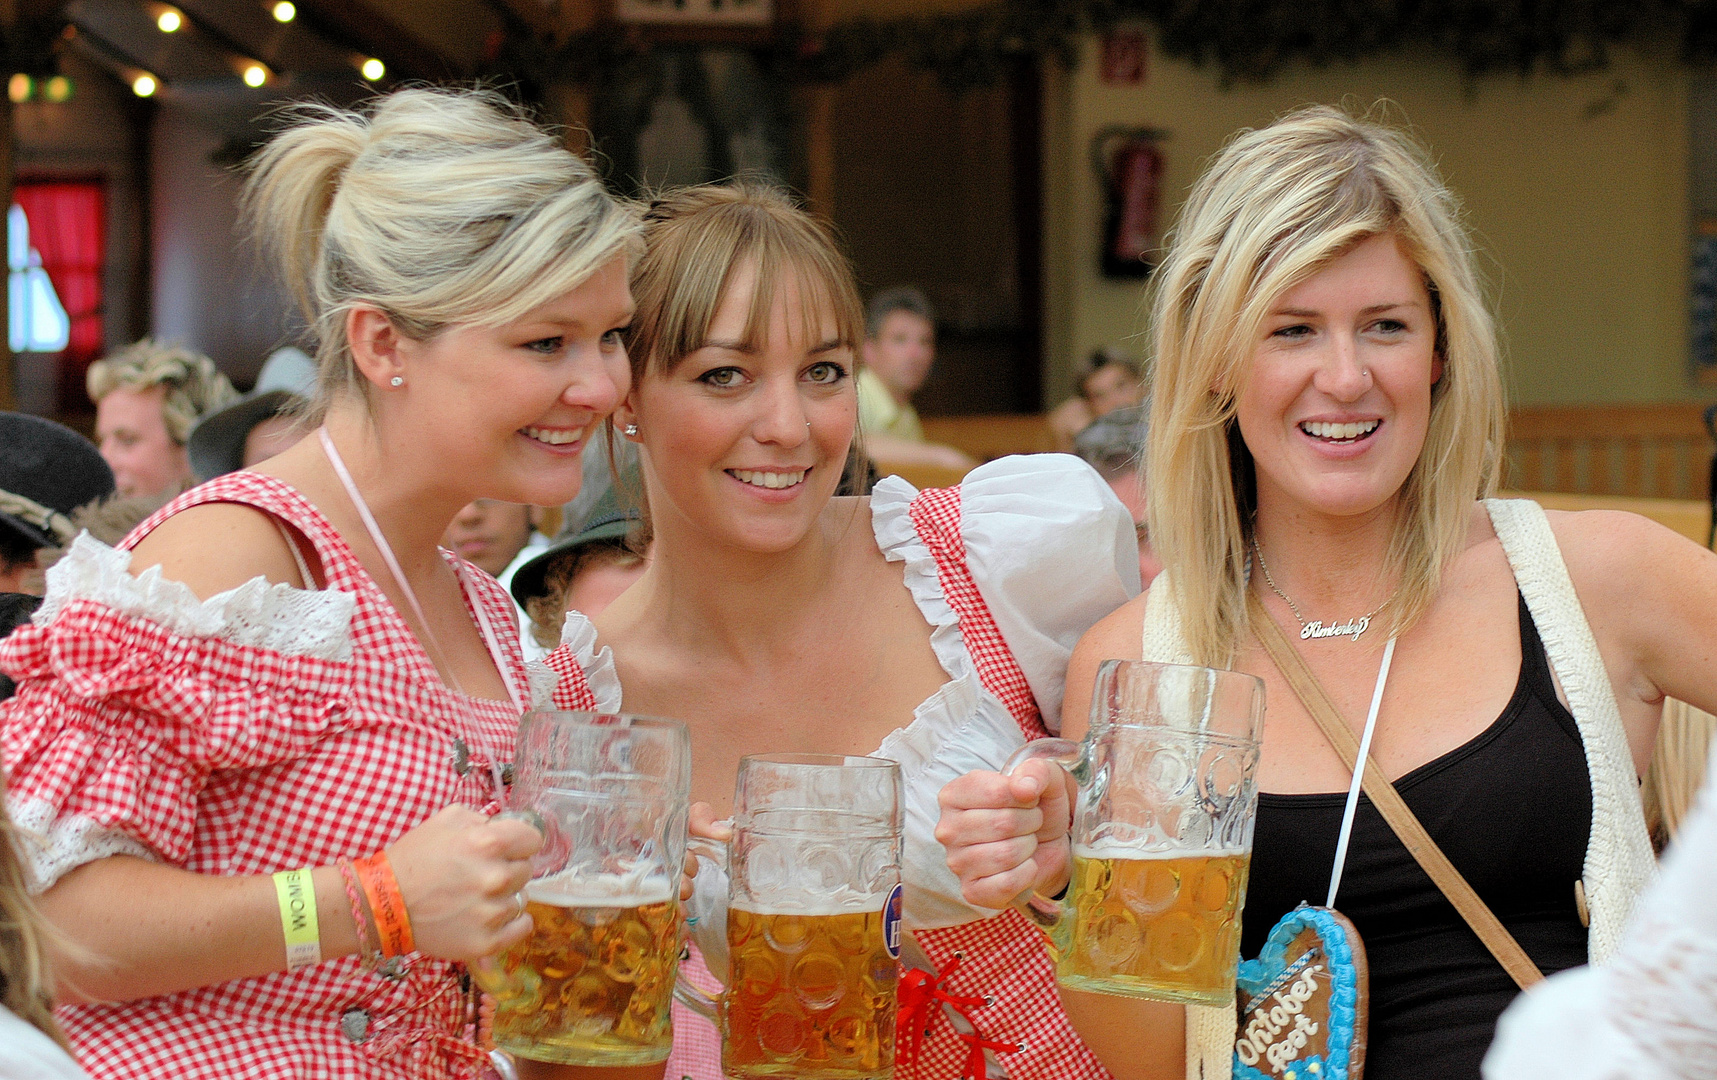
1389	803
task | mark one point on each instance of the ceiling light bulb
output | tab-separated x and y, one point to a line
19	88
373	69
169	21
285	11
57	89
144	85
254	75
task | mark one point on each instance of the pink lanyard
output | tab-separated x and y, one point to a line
431	644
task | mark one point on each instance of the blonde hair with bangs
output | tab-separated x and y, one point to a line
696	238
438	207
1275	206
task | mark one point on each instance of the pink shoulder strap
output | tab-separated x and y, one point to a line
935	515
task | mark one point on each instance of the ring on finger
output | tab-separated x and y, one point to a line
519	899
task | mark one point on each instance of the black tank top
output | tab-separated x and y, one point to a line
1512	809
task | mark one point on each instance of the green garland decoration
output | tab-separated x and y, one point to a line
1244	40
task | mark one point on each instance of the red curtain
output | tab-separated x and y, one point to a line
68	226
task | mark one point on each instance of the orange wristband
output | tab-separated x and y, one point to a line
393	925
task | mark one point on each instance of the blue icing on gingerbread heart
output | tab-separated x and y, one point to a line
1272	972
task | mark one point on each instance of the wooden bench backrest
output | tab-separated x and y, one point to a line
1636	451
1639	451
989	437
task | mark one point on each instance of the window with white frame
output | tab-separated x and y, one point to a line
37	321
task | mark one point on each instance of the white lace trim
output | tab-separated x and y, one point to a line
578	634
52	846
279	617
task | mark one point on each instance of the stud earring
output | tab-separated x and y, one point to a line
629	429
397	381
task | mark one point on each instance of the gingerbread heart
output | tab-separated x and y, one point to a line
1303	1001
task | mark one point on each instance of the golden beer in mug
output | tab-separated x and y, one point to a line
1161	836
811	935
1167	927
811	995
593	982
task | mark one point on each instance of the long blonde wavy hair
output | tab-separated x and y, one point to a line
1275	206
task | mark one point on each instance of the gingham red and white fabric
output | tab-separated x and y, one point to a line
572	690
1004	957
229	759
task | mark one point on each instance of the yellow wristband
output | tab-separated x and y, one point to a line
297	896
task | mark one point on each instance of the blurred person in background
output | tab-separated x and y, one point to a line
147	398
1109	380
47	471
584	570
258	425
899	347
1114	445
497	537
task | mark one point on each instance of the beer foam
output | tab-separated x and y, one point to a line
1110	848
848	904
572	889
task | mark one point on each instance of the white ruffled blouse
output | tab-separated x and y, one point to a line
1051	550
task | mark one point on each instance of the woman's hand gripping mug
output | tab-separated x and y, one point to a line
1161	836
812	928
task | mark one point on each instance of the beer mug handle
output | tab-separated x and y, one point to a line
1046	912
692	997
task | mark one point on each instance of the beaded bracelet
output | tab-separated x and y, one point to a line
393	924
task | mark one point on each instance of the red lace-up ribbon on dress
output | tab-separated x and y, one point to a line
923	997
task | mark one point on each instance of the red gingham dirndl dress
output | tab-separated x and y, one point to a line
1003	956
227	759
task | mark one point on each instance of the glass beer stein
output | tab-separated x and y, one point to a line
592	983
812	934
1162	833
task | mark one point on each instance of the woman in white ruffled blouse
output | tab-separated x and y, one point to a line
777	617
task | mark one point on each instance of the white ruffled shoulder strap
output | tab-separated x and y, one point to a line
1619	858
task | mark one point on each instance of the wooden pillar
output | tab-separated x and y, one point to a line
8	169
819	120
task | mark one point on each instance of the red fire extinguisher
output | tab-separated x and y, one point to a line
1132	172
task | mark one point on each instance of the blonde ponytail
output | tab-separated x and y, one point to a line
439	207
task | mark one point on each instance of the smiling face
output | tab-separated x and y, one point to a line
745	442
1337	397
507	411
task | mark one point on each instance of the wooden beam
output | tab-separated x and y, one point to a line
359	24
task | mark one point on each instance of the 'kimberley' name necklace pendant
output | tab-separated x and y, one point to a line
1311	631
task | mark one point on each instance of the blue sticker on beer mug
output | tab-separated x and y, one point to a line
891	921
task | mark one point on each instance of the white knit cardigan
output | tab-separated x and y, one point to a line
1619	860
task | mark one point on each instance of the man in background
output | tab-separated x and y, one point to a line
1114	445
497	536
47	472
147	398
258	425
899	347
1109	380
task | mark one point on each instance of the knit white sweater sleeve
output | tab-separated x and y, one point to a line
1651	1013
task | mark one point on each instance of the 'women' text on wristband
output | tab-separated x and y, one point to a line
297	895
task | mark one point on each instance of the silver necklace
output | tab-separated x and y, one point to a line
1312	631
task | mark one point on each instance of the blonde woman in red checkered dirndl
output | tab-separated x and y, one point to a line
255	747
931	628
